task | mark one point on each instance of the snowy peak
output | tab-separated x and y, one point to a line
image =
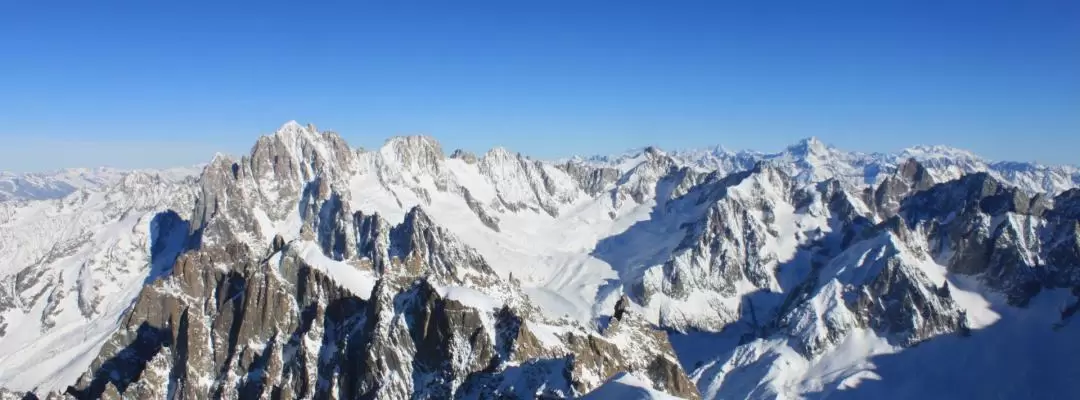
720	150
301	152
415	154
292	129
642	176
808	147
912	171
653	152
924	152
278	189
909	178
499	153
501	164
812	161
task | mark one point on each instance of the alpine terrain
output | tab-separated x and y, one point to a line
311	269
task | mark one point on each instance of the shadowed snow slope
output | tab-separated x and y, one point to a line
625	386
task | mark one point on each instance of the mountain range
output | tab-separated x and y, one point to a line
311	269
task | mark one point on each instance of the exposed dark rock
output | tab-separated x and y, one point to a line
1012	242
463	155
621	307
279	243
592	180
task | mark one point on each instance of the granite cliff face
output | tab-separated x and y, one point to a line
282	328
1015	243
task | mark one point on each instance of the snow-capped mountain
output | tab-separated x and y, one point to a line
310	269
55	185
41	186
811	160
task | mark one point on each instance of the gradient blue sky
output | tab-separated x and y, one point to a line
161	83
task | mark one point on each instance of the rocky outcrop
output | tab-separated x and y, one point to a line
592	180
1013	242
284	328
640	183
525	184
467	157
911	177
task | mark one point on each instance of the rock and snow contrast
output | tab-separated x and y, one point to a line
311	269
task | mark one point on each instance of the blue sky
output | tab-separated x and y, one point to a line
160	83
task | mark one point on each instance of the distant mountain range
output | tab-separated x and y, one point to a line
814	159
55	185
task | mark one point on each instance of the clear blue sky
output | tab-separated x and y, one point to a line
159	83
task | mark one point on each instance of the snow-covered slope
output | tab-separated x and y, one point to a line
55	185
73	265
626	386
308	268
969	271
40	186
